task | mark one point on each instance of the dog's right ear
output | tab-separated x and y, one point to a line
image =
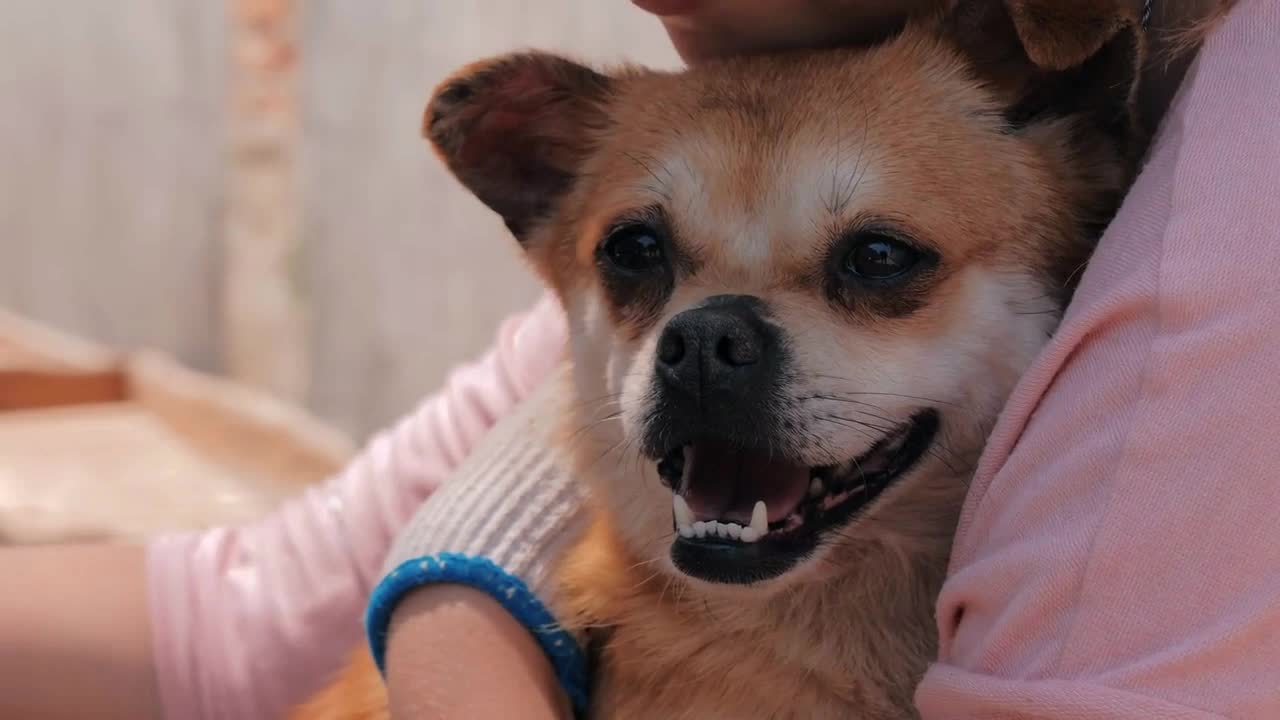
515	130
1056	58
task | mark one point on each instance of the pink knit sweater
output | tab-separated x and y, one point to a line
1118	554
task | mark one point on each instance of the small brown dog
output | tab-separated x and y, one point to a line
800	287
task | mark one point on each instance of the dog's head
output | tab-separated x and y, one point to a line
801	286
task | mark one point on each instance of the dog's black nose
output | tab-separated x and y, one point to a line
721	347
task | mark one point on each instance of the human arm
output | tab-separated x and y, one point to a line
490	534
249	620
75	634
242	622
493	667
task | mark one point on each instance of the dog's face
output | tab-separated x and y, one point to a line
800	287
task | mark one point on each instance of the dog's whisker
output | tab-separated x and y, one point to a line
646	581
857	410
665	587
862	423
852	425
642	563
593	424
582	406
905	396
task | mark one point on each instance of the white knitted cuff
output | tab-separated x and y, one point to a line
497	525
510	501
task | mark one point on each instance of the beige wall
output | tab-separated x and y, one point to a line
110	168
112	144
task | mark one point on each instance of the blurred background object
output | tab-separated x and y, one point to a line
241	184
97	444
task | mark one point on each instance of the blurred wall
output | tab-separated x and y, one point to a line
112	150
111	147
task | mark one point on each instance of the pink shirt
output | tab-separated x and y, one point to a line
1119	552
247	622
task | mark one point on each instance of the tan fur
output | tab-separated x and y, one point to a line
356	693
757	163
673	652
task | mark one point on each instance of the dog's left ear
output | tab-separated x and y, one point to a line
1058	58
515	130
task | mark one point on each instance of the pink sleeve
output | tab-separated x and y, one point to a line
248	620
1119	554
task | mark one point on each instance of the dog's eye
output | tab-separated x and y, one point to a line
634	248
880	257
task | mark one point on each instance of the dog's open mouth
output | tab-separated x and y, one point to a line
745	515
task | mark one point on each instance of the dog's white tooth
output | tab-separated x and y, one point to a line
748	534
816	488
686	531
722	529
734	530
760	519
700	529
684	515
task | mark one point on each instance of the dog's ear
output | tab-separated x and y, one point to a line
515	130
1061	36
1052	58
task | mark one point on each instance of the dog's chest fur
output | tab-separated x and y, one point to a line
852	648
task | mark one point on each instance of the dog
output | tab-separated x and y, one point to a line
800	287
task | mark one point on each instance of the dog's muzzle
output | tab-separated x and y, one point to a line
717	372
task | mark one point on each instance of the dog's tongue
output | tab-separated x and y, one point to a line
725	482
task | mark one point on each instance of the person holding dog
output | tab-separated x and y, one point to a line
1106	561
1111	560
